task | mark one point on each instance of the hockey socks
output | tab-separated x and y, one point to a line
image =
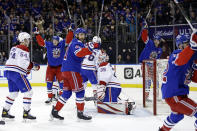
49	89
10	100
62	100
171	121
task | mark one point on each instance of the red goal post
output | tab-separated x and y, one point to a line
152	72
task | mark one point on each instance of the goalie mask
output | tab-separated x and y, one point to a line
103	57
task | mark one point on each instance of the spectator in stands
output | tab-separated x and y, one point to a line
120	61
1	59
165	51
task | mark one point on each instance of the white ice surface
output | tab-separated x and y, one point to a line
142	120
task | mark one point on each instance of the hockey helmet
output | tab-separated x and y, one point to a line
22	36
96	39
181	39
184	38
103	57
157	37
80	30
56	38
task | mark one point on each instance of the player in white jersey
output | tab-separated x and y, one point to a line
109	90
16	69
89	65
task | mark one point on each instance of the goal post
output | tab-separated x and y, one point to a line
152	72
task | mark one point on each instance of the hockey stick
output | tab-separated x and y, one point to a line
146	18
184	14
99	28
68	10
83	21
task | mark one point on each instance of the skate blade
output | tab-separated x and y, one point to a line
51	118
48	103
84	121
29	120
54	119
8	119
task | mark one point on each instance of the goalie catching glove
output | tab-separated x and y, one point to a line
101	92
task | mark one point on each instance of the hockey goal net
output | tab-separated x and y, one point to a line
152	81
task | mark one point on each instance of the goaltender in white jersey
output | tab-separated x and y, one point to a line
109	90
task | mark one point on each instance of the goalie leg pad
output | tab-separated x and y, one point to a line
121	108
112	94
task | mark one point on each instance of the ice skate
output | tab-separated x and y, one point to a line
5	114
51	100
27	115
81	116
54	114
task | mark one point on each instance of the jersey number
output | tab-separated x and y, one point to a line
91	58
13	55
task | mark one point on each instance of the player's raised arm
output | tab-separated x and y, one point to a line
70	34
39	38
185	55
144	34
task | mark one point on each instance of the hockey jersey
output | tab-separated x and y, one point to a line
150	51
74	56
90	61
106	75
19	60
178	73
55	54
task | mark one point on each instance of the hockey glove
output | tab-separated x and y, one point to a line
101	92
72	27
144	25
36	67
92	46
193	40
35	30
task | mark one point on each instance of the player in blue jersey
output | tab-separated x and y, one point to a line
55	55
71	68
177	76
151	51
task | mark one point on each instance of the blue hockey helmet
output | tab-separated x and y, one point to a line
181	39
56	38
80	30
178	41
184	38
157	37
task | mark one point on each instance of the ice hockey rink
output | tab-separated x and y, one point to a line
142	120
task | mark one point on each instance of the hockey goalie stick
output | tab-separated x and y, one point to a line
146	18
99	28
184	14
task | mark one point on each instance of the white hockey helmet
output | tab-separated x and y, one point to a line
103	57
96	39
22	36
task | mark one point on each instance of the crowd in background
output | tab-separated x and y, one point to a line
52	18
